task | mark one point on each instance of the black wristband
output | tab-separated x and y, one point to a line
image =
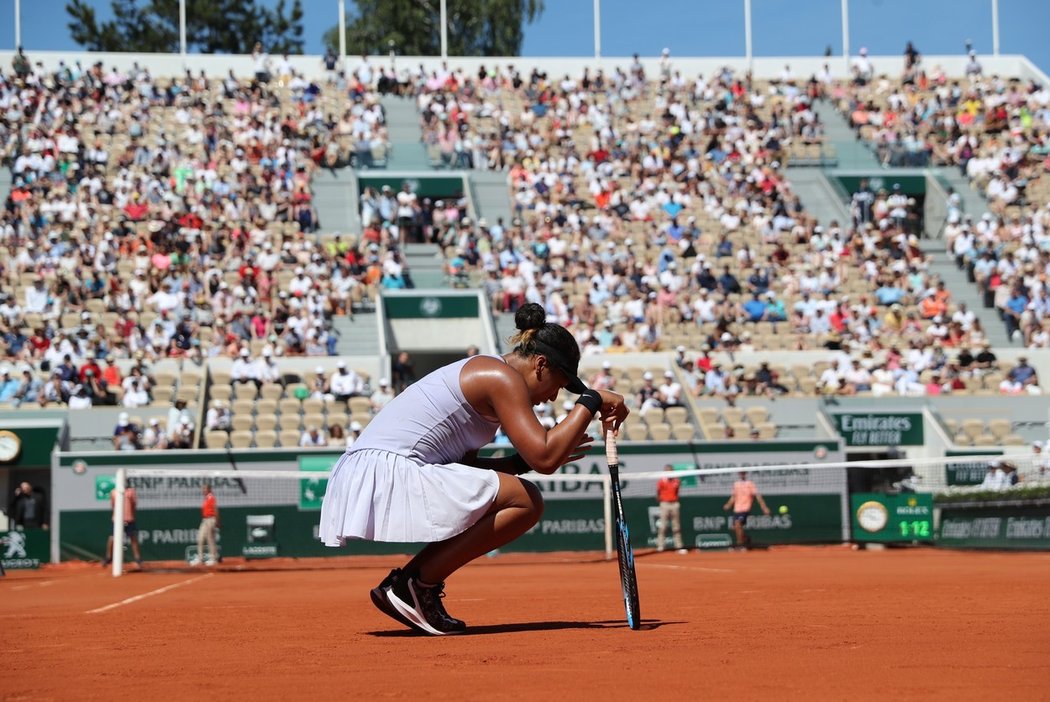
592	400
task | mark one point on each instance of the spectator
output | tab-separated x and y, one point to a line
218	417
131	531
355	431
995	478
313	437
345	383
28	508
670	511
382	396
8	386
79	398
744	495
208	527
403	372
153	436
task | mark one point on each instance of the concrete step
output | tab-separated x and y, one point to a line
492	196
406	135
818	196
973	202
359	337
963	290
851	153
335	197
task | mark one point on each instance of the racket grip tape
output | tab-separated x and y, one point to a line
611	455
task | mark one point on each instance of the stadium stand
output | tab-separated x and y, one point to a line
170	219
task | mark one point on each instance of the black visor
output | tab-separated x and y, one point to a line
559	361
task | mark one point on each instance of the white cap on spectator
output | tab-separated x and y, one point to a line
244	352
267	352
356	426
668	374
123	418
647	376
383	382
340	363
319	369
153	421
606	364
680	349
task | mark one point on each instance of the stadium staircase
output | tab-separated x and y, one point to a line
359	336
425	265
963	290
851	152
818	195
973	203
491	195
406	136
335	198
504	330
5	184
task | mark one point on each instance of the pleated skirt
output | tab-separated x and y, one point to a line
382	496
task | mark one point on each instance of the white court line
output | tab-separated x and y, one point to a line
151	593
678	567
26	587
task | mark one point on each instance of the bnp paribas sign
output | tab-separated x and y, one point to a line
880	428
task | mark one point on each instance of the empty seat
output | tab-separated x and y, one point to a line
741	430
637	432
732	415
289	438
271	391
985	440
676	415
653	416
999	428
265	422
683	432
243	407
360	405
338	418
215	439
163	395
290	406
767	430
240	439
973	427
757	415
314	419
265	439
241	422
221	392
313	405
265	407
660	432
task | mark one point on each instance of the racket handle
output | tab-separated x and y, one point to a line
611	456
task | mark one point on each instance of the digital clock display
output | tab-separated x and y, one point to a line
892	518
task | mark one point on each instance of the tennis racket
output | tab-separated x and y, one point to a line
624	552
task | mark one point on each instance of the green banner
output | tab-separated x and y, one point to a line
430	306
312	490
24	549
892	518
880	428
995	527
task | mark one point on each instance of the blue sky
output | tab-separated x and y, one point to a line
691	27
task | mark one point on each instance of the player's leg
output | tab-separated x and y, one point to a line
675	515
134	538
661	527
517	507
738	529
109	551
212	549
197	559
415	592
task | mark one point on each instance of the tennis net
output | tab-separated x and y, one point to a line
275	513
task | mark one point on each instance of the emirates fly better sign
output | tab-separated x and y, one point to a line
880	428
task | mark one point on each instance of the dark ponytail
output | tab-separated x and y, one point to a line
538	337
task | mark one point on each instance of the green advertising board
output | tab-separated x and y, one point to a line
431	306
312	490
968	472
891	518
880	428
24	549
995	527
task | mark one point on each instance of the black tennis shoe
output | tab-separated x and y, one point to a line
379	599
421	605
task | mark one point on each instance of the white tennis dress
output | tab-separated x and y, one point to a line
400	481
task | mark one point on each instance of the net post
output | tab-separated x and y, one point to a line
118	522
607	507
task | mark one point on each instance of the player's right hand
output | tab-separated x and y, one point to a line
614	409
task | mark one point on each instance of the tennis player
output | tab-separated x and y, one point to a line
414	474
744	496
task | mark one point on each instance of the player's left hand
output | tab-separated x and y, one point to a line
581	449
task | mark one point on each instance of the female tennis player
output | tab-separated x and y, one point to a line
414	474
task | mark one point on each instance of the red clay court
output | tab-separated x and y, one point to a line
791	622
